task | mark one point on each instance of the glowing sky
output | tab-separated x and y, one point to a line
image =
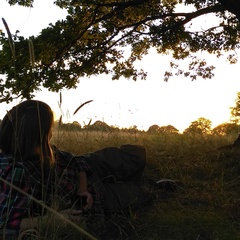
124	102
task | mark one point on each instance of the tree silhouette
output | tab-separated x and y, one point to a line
200	126
94	36
154	129
235	111
98	126
226	129
169	129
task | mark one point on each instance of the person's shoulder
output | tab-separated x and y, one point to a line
9	166
5	160
8	159
4	156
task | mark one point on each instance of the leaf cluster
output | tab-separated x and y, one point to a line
200	126
106	36
235	111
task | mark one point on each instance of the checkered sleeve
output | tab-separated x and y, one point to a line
68	167
13	204
66	160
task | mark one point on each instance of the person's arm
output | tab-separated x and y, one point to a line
82	190
29	223
78	166
13	204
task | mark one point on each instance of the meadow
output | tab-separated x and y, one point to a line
204	206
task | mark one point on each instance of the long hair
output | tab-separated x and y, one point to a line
24	133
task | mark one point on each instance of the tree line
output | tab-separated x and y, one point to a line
200	126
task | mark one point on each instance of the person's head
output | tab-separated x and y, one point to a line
26	130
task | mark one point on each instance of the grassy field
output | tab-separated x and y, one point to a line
205	206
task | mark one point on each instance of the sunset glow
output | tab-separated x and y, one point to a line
125	103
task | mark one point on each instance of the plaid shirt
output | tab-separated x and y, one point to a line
68	166
14	206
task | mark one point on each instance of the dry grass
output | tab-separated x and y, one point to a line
205	206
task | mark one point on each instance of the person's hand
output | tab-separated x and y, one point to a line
89	200
72	214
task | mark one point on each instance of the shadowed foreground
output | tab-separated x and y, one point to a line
203	205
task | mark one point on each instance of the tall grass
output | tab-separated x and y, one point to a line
206	204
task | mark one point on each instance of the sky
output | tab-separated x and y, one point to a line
125	103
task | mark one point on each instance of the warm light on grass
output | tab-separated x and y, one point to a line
202	208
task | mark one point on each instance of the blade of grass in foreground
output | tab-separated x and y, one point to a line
81	106
51	210
9	38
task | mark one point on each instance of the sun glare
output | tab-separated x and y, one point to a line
125	103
